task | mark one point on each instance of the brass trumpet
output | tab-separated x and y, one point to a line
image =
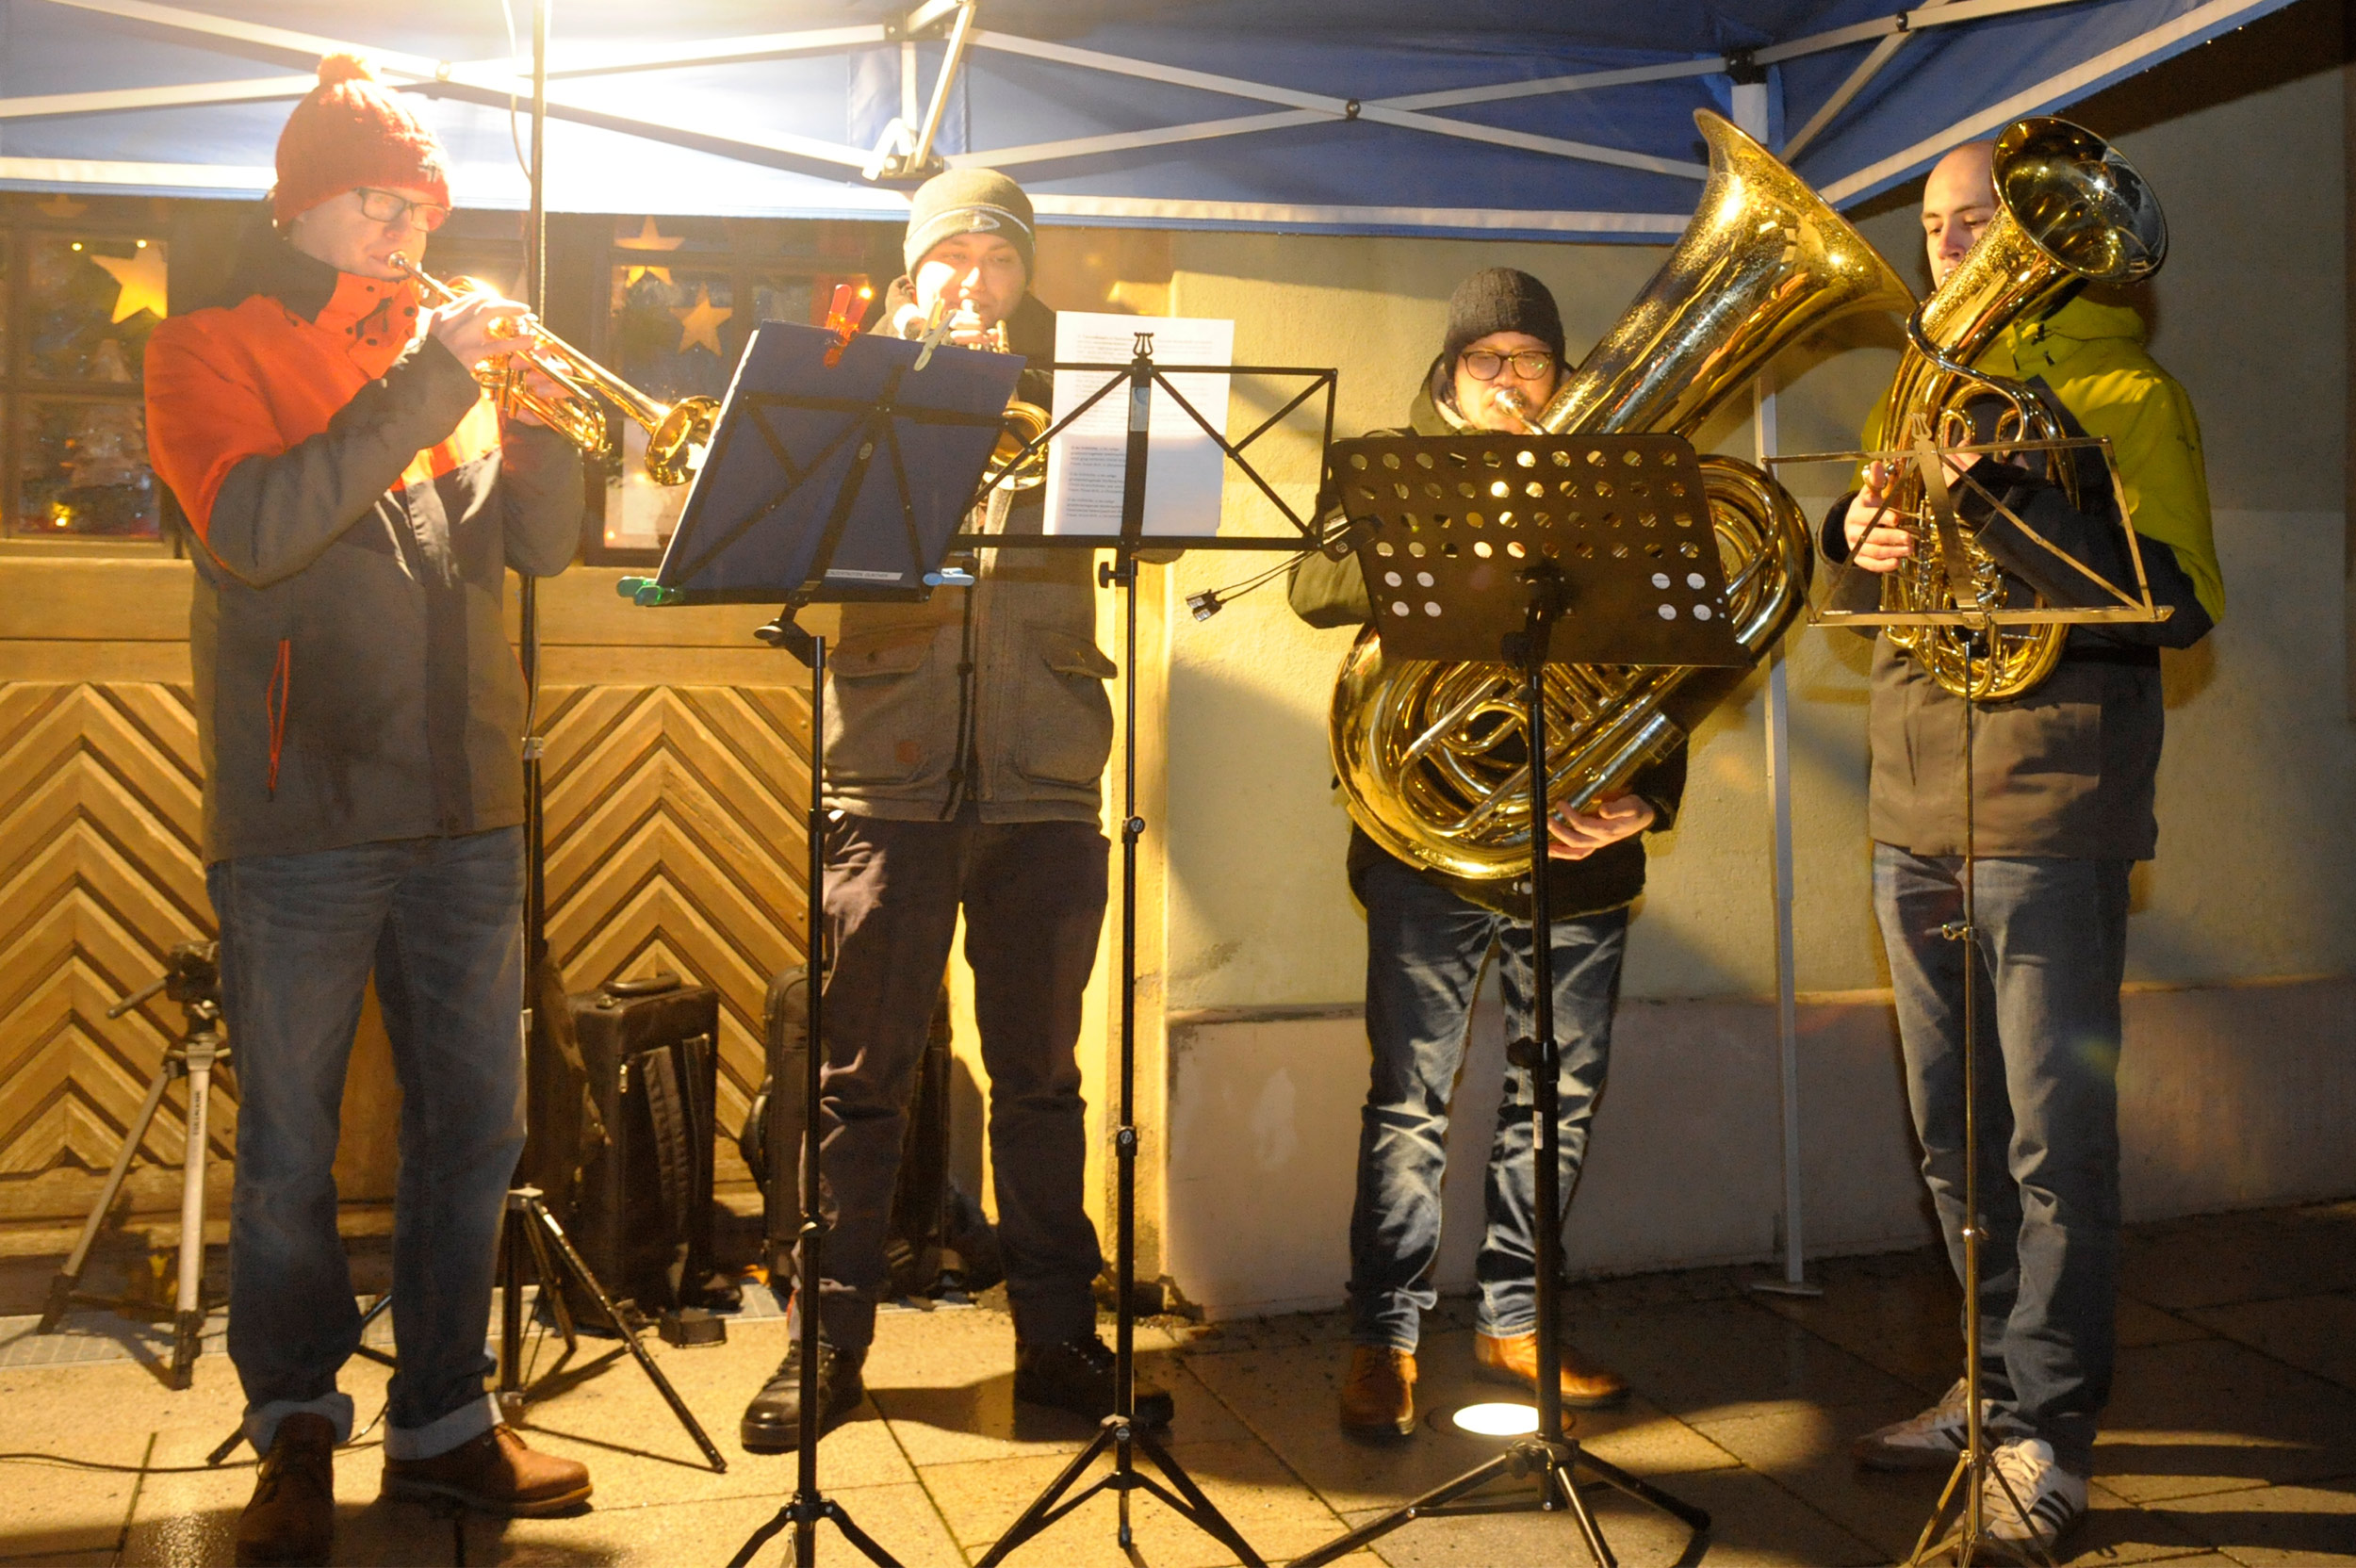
1023	424
677	433
1429	753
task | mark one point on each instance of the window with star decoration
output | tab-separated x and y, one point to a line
83	282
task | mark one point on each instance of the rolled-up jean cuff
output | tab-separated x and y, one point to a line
439	1436
261	1425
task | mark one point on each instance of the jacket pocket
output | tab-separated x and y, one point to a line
891	715
1067	728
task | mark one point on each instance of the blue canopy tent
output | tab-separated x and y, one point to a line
1498	117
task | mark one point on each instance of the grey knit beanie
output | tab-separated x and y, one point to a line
1499	298
969	201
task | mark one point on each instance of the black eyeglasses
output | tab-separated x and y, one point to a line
1484	364
382	206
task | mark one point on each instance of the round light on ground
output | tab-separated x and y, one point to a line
1497	1420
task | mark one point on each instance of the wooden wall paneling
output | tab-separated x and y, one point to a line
675	833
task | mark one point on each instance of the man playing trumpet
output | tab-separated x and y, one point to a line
2064	777
357	502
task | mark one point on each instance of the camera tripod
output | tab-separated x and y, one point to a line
191	977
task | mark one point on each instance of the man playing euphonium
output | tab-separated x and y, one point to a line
2064	783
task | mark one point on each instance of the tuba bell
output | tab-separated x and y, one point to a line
2069	211
1428	752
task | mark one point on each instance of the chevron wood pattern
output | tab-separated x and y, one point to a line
99	875
677	839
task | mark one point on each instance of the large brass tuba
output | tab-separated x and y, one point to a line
1429	754
2069	211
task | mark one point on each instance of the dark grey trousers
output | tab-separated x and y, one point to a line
2053	938
1034	900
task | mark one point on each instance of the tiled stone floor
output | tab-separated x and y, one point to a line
2232	1435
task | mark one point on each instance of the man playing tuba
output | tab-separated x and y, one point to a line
966	738
1429	937
2064	777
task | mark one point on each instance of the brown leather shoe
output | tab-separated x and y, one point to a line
1515	1360
291	1518
492	1474
1379	1396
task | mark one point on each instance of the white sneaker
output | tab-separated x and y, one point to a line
2049	1499
1929	1441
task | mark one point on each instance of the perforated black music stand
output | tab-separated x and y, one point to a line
1525	551
837	470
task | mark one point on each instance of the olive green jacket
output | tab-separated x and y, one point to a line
2068	770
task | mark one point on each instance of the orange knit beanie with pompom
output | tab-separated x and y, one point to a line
349	132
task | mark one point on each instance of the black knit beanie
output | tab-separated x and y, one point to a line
969	201
1499	299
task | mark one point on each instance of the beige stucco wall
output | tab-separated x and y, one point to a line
2258	793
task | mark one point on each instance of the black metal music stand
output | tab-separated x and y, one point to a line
1945	530
1530	551
788	506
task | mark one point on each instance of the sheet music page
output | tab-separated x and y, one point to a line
1185	468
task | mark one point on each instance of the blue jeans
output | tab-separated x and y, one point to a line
2054	940
1425	952
440	922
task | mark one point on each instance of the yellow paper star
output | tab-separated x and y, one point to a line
700	322
61	206
139	277
646	238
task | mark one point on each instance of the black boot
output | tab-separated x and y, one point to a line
1077	1374
772	1422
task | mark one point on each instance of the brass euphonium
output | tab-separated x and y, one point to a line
1428	752
677	433
2069	211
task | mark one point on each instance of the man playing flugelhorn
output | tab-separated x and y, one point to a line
966	738
1430	938
357	502
2064	776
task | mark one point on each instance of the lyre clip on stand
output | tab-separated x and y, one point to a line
1576	550
191	977
1943	532
792	504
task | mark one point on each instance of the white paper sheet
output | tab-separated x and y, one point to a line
1185	468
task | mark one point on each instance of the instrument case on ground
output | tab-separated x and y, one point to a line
638	1201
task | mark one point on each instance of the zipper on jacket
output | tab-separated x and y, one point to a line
275	701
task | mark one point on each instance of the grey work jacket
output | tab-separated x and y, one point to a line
992	696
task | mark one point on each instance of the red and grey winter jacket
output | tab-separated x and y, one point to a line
357	506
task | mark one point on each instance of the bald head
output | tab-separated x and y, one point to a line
1958	201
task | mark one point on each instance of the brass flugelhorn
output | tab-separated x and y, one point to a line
1427	752
677	433
1023	424
2069	211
